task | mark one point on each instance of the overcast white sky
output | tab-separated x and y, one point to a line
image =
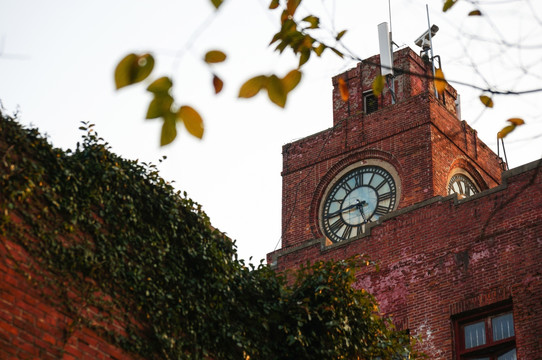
57	59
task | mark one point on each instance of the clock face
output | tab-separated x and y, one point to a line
360	196
462	186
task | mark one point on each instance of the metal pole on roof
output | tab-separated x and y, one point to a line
431	44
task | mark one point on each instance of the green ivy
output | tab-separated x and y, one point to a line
146	257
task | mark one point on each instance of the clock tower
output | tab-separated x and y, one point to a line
383	154
400	178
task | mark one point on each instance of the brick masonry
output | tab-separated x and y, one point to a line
32	324
439	256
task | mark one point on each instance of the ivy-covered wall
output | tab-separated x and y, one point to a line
101	258
128	247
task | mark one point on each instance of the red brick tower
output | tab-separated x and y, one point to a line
418	141
409	184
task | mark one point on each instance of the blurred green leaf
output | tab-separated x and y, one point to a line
169	130
159	107
340	35
275	90
133	69
448	5
160	85
304	57
216	3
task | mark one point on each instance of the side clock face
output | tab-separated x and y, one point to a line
362	195
462	186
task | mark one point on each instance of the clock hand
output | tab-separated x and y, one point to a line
360	206
350	207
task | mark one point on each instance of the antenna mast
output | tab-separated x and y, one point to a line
431	44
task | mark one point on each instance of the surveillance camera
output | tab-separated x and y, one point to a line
424	38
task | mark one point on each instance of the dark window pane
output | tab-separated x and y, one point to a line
475	335
510	355
503	326
370	103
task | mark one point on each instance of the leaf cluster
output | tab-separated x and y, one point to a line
146	256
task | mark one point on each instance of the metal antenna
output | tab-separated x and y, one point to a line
503	151
389	11
431	43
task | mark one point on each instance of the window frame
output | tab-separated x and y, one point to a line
491	348
366	95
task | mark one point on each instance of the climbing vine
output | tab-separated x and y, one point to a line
115	246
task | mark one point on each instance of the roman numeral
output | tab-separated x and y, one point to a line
384	196
336	225
347	232
346	187
358	180
371	179
379	186
381	210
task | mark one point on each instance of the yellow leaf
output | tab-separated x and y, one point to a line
218	84
291	6
475	13
340	35
486	100
516	121
290	81
216	3
274	4
253	86
343	90
378	85
313	21
448	4
284	16
214	56
192	120
319	49
304	57
440	81
133	69
276	91
169	131
160	85
505	131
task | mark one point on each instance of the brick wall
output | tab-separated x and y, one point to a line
443	257
33	324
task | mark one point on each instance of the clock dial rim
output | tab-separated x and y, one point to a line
371	167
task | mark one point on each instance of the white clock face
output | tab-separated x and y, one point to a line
362	195
462	186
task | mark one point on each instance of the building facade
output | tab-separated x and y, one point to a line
401	179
